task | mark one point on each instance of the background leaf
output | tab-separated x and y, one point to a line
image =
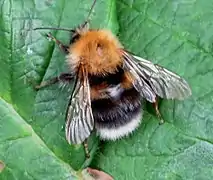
175	34
23	154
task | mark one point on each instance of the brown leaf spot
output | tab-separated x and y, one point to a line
2	166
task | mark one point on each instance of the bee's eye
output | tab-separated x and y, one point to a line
74	38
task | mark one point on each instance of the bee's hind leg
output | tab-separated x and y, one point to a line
64	48
65	77
86	149
155	105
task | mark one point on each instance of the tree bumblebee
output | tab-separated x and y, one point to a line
110	83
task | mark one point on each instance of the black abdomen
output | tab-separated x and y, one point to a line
120	113
114	114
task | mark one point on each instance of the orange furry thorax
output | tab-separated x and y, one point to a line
97	51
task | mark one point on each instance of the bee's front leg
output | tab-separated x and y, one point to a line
65	77
63	48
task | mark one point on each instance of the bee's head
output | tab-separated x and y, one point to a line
97	50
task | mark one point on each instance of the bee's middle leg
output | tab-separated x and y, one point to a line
65	77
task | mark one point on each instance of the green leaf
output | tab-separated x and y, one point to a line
27	58
174	34
178	36
23	154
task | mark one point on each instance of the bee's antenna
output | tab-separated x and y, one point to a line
70	30
90	11
52	28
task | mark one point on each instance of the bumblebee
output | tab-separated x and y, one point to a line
110	83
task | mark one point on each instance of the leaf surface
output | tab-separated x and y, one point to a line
23	154
174	34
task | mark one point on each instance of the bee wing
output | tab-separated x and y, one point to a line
161	81
80	120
